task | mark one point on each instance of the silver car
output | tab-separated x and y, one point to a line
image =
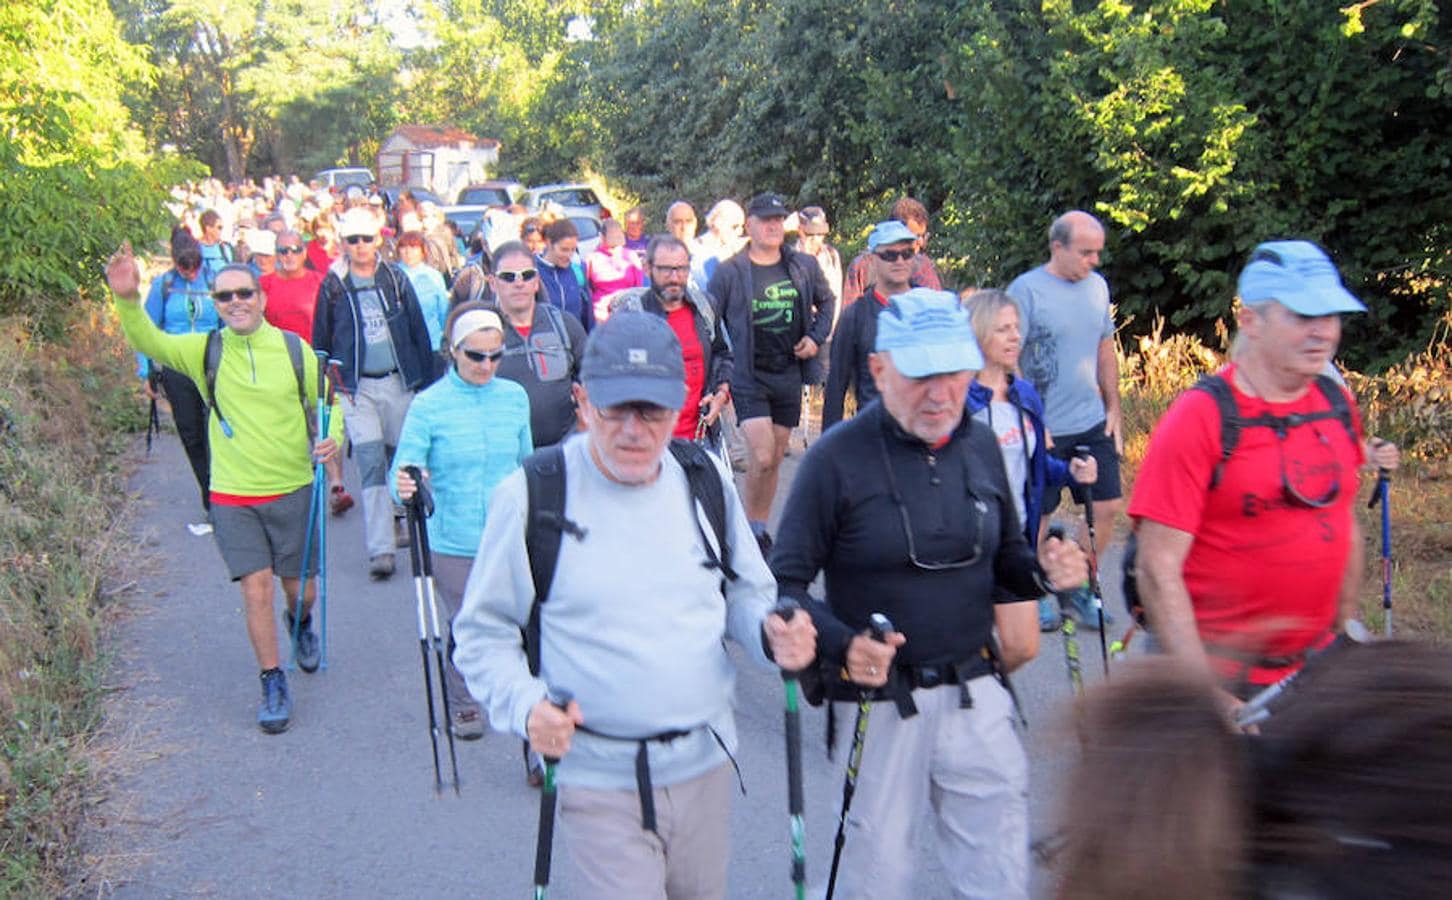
566	199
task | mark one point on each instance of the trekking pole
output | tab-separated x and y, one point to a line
297	613
1382	495
320	478
1069	630
1082	451
544	844
1257	708
880	628
417	507
796	801
421	543
153	418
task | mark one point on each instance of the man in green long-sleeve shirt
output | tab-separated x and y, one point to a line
261	459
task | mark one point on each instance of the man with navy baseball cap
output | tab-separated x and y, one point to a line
1249	555
907	510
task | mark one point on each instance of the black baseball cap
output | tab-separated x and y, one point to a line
767	206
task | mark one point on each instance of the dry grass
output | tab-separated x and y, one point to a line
63	410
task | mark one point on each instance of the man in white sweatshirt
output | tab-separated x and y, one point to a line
636	611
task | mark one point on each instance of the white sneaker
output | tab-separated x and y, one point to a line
200	529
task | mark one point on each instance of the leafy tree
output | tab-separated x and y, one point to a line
79	179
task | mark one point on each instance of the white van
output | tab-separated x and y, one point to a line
344	177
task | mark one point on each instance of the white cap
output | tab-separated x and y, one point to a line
358	221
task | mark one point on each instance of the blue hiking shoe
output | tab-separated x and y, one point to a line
276	708
1081	606
305	650
1048	614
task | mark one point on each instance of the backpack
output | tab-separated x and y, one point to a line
212	360
546	523
1232	423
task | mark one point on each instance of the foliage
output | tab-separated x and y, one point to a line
62	489
286	84
78	178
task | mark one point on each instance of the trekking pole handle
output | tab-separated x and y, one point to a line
787	609
1083	451
880	626
559	698
423	499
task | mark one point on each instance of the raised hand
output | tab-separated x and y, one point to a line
123	275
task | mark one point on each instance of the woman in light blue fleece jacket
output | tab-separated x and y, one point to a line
466	433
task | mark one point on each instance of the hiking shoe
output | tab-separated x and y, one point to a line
200	529
468	723
1081	606
380	567
305	650
339	500
1049	619
401	536
272	715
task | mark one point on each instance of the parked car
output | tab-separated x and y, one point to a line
344	177
390	195
570	199
467	216
590	235
489	193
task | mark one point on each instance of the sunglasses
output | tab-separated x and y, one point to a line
284	251
360	238
480	356
525	275
229	296
648	413
895	255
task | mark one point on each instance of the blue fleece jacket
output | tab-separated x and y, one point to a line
469	438
564	289
179	306
1045	471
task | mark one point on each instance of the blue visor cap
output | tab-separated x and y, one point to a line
890	232
1299	276
928	333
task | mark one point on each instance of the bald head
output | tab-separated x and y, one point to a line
681	220
1075	241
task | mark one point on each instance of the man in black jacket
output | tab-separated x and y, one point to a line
368	318
893	248
907	511
777	307
689	312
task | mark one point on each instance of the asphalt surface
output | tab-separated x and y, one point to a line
202	804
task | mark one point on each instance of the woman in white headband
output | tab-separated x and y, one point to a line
466	433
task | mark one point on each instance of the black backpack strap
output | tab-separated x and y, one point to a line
1230	422
299	371
706	489
211	361
545	526
1339	407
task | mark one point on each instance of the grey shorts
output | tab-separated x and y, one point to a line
267	536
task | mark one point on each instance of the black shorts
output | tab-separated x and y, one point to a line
1102	446
776	394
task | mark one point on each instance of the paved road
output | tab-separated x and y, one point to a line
342	805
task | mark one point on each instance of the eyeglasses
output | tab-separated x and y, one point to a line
671	270
480	356
1303	471
895	255
284	251
525	275
229	296
648	413
978	508
360	238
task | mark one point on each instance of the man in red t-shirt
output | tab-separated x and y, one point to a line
692	317
292	290
1248	564
292	294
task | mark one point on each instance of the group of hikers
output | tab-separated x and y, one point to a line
592	552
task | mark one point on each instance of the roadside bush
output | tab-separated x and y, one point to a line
63	410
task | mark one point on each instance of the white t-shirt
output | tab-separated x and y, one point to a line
1016	443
